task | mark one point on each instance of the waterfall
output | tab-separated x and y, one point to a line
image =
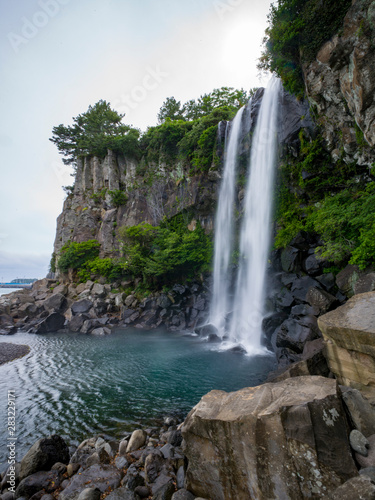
248	305
220	303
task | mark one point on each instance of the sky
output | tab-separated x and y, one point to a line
57	57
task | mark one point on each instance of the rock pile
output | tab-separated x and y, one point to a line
94	308
147	463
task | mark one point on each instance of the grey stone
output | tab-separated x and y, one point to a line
142	491
81	306
180	477
137	440
72	469
347	278
321	300
369	460
61	468
43	455
165	492
290	259
183	494
55	303
90	494
153	465
123	446
359	443
121	462
355	488
47	481
301	286
98	290
167	450
369	472
76	323
121	494
103	477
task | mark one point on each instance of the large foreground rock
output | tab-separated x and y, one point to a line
284	440
104	477
349	332
43	455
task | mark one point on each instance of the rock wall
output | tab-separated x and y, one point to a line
89	211
340	83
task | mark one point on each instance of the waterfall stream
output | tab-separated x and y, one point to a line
245	326
220	303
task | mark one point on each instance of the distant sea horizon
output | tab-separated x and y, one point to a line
3	291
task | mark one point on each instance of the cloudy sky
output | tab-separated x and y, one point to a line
59	56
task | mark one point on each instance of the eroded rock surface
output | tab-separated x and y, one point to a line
283	440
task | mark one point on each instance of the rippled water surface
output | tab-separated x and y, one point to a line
78	385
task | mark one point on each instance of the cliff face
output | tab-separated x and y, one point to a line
340	84
90	212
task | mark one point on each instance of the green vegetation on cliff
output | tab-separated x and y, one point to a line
297	30
158	256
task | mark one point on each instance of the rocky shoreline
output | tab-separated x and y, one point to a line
10	352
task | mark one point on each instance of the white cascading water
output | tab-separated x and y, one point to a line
224	226
248	312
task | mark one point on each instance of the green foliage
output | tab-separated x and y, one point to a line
118	197
94	132
297	30
111	269
74	255
205	104
164	254
99	195
52	264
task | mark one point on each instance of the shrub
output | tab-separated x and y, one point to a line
118	197
74	255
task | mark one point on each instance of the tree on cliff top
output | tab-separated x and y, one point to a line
94	132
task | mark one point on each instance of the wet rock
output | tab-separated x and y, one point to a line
284	299
121	462
365	283
296	430
52	323
103	477
47	481
123	446
359	443
327	281
43	455
61	468
313	265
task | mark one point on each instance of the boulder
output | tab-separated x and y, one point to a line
301	286
294	334
43	455
52	323
47	481
55	303
347	278
90	494
290	259
359	443
361	413
355	488
365	283
321	300
369	459
121	494
137	440
283	440
349	332
103	477
81	306
183	495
